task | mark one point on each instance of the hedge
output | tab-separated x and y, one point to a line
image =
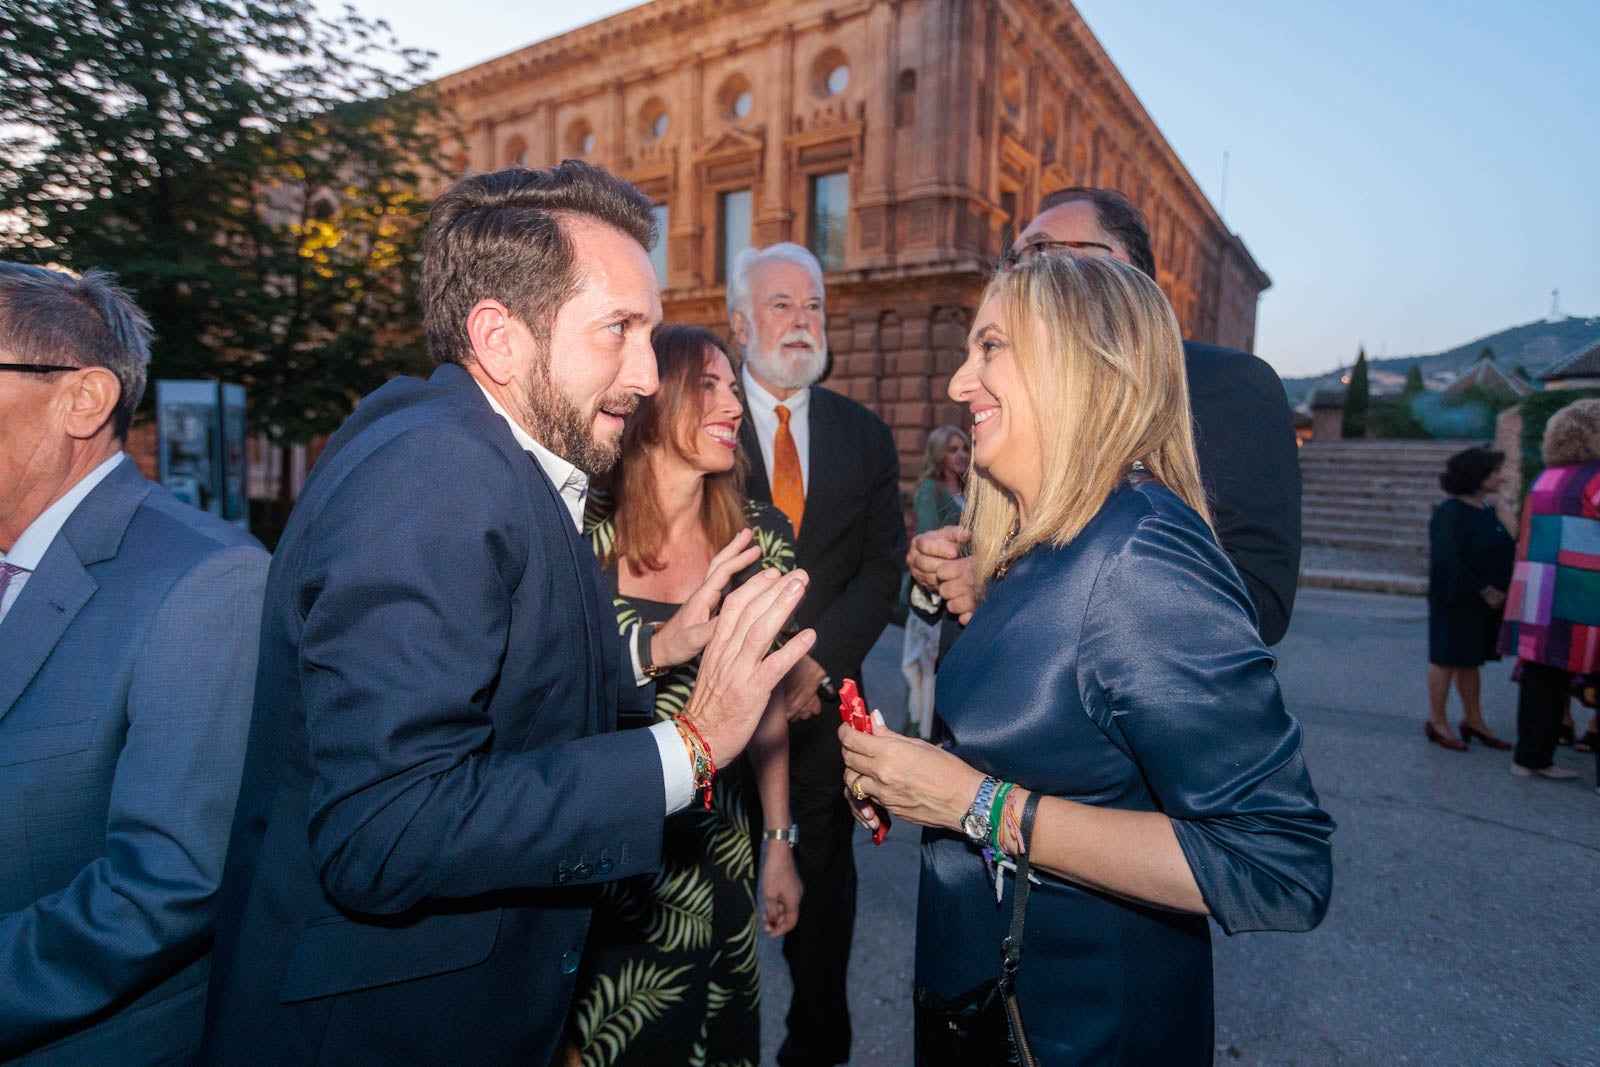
1536	412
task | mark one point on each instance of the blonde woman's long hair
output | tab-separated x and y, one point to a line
1099	352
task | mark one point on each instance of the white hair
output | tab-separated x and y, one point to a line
745	263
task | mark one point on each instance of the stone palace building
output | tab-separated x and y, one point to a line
901	140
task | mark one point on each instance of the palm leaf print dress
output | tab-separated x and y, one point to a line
669	973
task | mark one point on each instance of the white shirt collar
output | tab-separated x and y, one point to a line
570	482
758	399
760	407
30	548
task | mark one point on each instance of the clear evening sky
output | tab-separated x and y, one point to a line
1412	175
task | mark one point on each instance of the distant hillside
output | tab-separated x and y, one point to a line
1535	345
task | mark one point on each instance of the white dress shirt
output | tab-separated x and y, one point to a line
759	405
36	540
677	772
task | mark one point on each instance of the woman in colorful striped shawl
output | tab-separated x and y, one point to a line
1552	620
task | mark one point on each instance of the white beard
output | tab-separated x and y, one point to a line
786	368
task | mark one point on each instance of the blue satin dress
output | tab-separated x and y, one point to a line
1124	670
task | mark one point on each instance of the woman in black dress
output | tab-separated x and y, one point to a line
670	974
1469	568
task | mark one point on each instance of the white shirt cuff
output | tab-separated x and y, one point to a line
677	774
639	677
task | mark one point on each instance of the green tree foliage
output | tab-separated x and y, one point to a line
1357	398
1536	412
1487	352
1394	417
1414	384
247	168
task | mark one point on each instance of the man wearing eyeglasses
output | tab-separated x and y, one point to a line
1244	432
128	631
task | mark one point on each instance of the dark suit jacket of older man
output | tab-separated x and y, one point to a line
126	667
1244	435
852	543
431	796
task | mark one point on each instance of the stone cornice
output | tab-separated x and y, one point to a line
1067	31
642	26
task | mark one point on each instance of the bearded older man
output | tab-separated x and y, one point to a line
831	466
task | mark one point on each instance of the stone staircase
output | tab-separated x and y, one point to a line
1364	512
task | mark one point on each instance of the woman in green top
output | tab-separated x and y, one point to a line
670	973
941	494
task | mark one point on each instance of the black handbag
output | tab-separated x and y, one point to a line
983	1026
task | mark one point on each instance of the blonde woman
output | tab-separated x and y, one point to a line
1112	670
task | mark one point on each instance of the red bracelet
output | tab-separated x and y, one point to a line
710	770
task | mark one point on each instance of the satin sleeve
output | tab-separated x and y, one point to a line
1173	669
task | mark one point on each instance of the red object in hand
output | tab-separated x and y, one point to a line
853	711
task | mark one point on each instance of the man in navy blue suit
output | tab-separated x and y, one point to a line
128	635
434	790
1244	431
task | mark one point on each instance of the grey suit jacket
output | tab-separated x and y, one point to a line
126	672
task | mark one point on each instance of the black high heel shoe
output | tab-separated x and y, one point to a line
1468	732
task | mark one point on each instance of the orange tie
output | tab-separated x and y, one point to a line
788	490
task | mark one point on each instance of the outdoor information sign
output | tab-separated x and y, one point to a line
201	427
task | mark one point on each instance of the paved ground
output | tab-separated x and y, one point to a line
1465	926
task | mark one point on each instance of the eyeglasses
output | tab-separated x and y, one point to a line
1015	256
37	368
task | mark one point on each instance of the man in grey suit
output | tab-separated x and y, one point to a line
129	625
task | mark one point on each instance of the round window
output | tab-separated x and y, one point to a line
742	104
838	80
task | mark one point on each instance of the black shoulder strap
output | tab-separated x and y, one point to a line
1012	946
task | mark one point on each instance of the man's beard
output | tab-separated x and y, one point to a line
786	369
565	429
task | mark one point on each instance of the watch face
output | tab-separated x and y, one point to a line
975	826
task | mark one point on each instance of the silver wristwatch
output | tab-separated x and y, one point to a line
790	834
975	823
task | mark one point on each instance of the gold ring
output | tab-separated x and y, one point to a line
856	790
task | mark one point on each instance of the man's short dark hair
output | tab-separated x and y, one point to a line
49	316
1118	216
502	236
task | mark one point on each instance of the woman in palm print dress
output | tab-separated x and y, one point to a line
669	973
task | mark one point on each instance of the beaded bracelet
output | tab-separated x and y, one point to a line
1014	826
705	768
996	806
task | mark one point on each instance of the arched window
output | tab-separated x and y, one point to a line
830	73
653	121
736	99
580	137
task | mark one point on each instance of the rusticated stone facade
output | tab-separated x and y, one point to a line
945	120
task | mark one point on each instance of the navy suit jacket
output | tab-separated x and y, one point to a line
1244	436
431	796
126	667
1124	670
